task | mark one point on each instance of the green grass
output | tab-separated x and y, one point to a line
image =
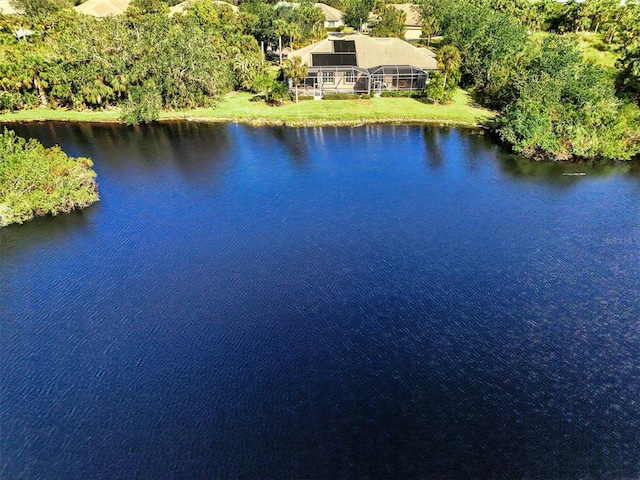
38	114
239	107
593	48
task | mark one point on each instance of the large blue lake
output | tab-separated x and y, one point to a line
273	303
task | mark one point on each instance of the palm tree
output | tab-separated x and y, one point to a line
430	27
281	28
295	70
450	60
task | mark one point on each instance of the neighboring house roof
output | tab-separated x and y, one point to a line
181	7
371	52
330	14
6	8
103	8
414	19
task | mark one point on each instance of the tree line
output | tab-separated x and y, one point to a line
515	56
552	102
145	60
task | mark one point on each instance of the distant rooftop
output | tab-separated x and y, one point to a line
103	8
330	14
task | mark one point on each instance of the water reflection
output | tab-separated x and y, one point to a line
24	238
563	174
197	151
432	137
293	141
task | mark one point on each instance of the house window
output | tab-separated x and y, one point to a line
327	77
350	77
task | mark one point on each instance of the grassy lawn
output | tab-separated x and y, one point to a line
239	107
38	114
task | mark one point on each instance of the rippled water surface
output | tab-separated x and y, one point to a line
374	302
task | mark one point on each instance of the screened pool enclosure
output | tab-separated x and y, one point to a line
322	80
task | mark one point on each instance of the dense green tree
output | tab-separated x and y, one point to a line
39	8
430	27
24	70
552	102
147	7
357	12
36	181
214	16
258	18
390	22
310	21
568	108
278	93
492	46
442	85
628	81
248	66
183	61
143	104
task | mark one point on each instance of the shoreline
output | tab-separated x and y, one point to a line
77	117
240	108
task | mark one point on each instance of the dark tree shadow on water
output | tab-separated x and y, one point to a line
293	141
21	238
564	174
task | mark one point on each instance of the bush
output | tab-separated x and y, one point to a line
344	96
403	93
10	101
143	106
36	181
278	93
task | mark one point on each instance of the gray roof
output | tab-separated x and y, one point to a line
330	14
373	52
414	19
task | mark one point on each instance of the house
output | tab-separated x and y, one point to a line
361	64
103	8
413	22
332	16
6	8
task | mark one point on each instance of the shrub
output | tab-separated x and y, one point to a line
36	181
402	93
9	101
143	105
343	96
